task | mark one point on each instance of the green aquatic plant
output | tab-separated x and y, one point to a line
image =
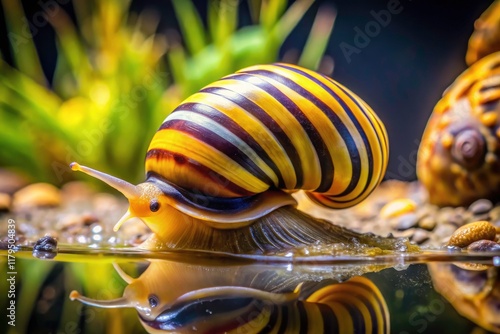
117	77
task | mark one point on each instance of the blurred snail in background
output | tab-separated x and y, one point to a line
458	158
486	36
226	300
221	169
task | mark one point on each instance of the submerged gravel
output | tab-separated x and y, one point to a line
76	214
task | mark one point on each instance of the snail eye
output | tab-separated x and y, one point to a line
153	301
154	206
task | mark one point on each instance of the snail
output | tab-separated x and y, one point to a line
475	294
458	158
221	168
249	299
486	36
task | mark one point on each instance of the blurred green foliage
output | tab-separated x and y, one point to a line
117	78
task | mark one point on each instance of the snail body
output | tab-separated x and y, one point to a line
458	158
231	155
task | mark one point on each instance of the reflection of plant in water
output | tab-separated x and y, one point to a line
116	78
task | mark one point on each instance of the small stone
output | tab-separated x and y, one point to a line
45	248
427	223
10	182
495	213
444	230
471	232
76	191
36	195
408	233
443	216
89	219
458	217
398	207
5	202
484	246
405	221
105	204
69	221
420	236
480	206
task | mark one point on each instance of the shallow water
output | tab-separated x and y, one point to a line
425	292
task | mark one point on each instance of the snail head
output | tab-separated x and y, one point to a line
147	201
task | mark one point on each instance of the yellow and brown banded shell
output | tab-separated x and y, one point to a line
486	36
248	299
458	158
272	126
221	167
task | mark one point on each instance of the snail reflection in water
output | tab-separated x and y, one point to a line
475	294
220	170
248	299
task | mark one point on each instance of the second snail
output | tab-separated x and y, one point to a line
459	156
221	168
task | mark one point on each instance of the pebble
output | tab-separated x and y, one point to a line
105	204
427	223
471	232
398	207
481	206
458	217
69	221
420	236
405	221
10	182
484	246
5	202
45	248
36	195
495	213
76	191
444	230
443	216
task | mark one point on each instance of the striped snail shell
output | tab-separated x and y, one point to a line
231	154
214	300
458	158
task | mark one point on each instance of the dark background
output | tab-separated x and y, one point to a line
401	72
